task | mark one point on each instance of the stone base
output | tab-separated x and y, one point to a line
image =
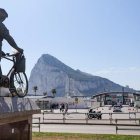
15	104
16	118
4	92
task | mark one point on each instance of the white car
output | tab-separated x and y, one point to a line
117	108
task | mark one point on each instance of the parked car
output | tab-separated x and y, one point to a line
117	108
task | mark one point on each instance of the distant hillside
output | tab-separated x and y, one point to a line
50	73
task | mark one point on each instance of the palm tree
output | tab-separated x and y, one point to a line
45	93
53	92
35	88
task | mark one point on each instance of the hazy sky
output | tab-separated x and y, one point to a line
101	37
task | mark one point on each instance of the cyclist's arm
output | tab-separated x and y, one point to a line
6	35
11	41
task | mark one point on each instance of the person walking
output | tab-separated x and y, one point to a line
66	107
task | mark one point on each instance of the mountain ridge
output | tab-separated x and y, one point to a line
49	73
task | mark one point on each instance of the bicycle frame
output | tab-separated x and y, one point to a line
17	79
12	60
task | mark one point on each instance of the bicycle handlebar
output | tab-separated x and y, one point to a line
10	55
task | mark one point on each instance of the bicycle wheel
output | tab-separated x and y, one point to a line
19	84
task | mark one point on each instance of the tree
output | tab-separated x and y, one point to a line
35	88
127	86
53	92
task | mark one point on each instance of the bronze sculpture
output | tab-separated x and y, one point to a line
4	34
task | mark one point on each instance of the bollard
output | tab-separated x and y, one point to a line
64	118
116	126
116	129
116	121
129	116
135	117
43	117
110	118
86	118
39	124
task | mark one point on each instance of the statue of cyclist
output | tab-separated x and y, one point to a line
4	34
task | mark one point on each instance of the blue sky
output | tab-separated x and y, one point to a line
101	37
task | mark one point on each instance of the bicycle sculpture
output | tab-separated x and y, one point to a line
16	79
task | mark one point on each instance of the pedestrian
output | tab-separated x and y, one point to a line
66	107
63	107
60	107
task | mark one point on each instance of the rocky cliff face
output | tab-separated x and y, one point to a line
50	73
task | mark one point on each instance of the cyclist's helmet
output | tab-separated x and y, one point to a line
3	14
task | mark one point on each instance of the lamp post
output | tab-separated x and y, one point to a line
69	86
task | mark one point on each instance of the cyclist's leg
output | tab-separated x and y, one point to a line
3	78
0	70
0	66
0	75
0	59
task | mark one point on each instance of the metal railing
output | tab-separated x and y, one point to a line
137	127
36	124
129	121
62	118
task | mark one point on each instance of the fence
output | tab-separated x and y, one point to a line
36	124
63	117
137	127
82	118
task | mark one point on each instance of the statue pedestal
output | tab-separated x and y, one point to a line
16	118
4	92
